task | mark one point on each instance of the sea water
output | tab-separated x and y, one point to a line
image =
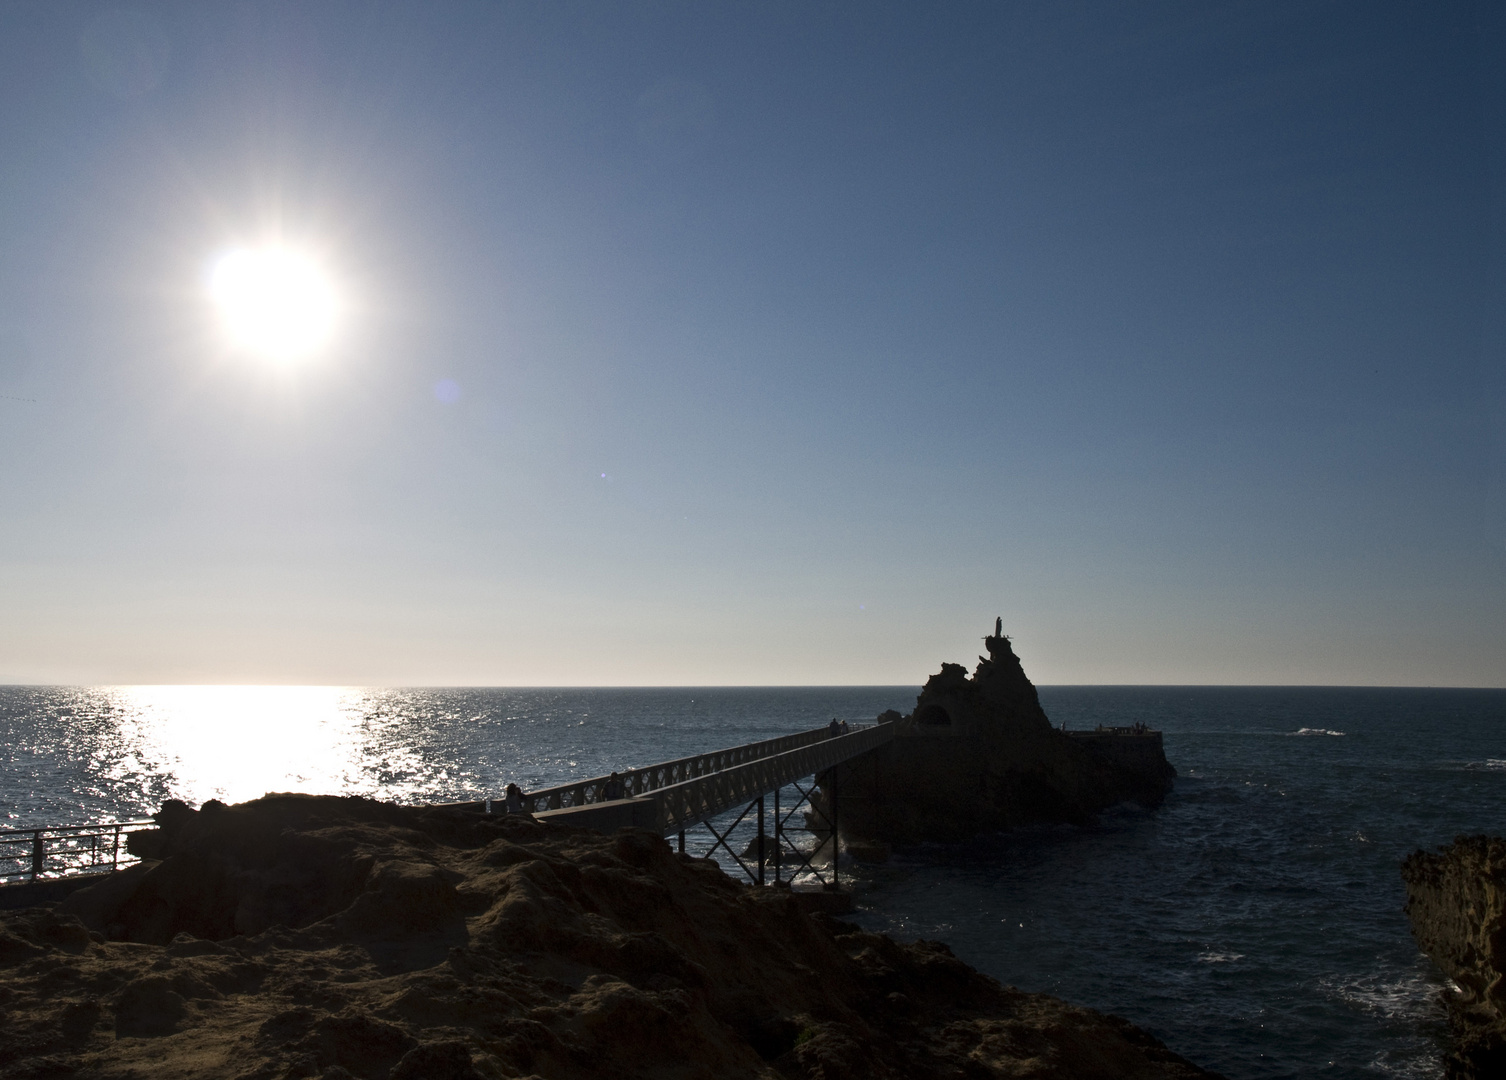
1254	922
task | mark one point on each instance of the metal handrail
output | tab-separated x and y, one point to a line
704	797
637	782
62	850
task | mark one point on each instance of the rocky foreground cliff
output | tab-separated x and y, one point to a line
979	755
1456	901
299	936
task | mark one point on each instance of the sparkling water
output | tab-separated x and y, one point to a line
1254	922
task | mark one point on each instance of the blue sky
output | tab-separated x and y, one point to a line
759	343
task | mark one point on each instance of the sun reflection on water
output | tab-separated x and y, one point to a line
239	742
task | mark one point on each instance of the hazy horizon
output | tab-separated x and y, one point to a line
735	345
737	686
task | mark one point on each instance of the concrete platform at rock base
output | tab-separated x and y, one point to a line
821	899
24	894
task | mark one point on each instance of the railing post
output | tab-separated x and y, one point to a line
115	850
836	836
778	839
760	839
38	854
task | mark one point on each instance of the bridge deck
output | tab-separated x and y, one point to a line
670	807
665	774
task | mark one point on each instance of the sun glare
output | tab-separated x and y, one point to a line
306	738
274	302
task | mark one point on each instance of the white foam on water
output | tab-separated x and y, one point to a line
1219	957
1314	731
1411	998
1425	1064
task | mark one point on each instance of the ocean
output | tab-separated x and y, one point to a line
1254	922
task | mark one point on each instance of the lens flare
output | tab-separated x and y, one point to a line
274	302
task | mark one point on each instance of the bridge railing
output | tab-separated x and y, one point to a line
29	854
707	796
665	774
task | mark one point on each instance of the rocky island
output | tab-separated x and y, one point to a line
1456	901
301	936
979	755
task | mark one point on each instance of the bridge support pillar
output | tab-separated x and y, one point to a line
778	838
836	836
760	840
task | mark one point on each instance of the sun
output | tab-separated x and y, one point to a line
274	302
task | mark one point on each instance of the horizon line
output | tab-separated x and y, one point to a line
735	686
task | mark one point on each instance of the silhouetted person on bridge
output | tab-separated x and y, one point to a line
514	799
833	729
613	788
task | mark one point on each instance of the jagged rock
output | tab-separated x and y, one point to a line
343	938
148	1006
979	755
1456	902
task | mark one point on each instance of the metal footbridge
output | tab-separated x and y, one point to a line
675	795
668	797
672	794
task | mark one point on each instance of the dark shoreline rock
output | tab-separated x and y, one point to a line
1456	902
978	755
297	936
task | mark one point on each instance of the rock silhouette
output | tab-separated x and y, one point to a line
299	936
978	755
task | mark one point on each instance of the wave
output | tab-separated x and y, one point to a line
1412	1058
1314	731
1219	957
1410	997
